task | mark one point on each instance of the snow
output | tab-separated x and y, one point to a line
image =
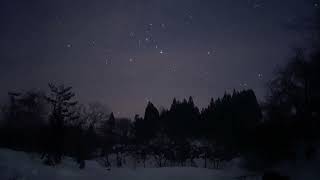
20	165
15	165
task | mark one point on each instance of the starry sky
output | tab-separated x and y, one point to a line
124	53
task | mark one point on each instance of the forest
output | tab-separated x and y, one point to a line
55	125
283	126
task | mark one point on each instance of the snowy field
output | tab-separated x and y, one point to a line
16	165
19	165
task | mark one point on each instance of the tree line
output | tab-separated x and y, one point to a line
283	127
55	125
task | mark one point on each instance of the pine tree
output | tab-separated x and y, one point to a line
151	120
61	116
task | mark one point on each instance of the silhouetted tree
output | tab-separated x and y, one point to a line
231	120
108	138
24	119
61	116
292	102
151	120
140	142
182	120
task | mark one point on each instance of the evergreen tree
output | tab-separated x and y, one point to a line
151	120
61	116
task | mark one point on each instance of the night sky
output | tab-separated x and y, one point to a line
124	53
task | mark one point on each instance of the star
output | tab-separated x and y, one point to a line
244	85
108	61
149	27
131	60
188	19
161	51
255	3
163	26
256	6
69	45
173	68
131	34
210	52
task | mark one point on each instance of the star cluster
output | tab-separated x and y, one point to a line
125	53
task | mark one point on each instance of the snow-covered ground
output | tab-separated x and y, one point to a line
16	165
19	165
